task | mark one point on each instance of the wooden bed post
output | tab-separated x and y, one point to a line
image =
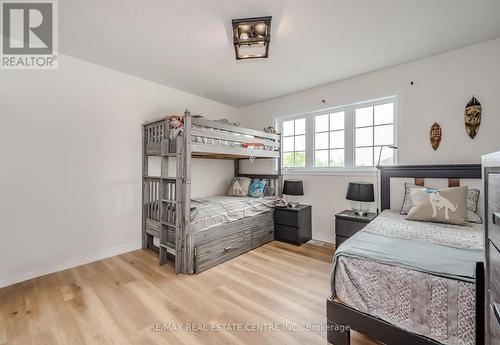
146	238
188	253
236	167
179	229
184	260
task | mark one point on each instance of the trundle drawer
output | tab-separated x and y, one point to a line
259	241
262	236
263	231
212	253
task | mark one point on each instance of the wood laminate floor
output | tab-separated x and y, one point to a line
130	300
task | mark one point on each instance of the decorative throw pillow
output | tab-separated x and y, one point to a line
407	198
239	187
472	201
234	188
269	190
245	185
439	205
257	188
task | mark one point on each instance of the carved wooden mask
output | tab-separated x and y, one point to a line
472	117
435	135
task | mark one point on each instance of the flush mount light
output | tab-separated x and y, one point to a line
251	37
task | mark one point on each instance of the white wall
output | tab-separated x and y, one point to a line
443	84
70	176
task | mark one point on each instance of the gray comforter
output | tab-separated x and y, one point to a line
212	211
416	275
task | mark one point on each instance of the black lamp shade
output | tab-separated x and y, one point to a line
293	187
360	191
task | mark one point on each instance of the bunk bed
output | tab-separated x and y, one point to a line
167	213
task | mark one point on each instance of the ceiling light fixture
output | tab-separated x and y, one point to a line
251	37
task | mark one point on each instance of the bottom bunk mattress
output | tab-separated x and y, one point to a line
209	212
418	276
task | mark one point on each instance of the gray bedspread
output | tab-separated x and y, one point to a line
213	211
416	275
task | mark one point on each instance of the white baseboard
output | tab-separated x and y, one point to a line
323	238
69	263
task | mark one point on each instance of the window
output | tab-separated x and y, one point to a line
329	140
294	143
374	129
348	137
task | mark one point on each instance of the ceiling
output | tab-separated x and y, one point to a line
187	44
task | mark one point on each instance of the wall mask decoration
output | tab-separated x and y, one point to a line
435	135
472	117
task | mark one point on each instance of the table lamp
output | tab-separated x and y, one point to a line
293	188
361	194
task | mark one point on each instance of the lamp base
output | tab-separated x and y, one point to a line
360	208
293	204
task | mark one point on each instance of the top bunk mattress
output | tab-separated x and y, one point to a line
209	212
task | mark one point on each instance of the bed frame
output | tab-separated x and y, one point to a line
341	318
166	199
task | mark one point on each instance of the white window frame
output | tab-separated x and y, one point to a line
313	116
298	117
349	137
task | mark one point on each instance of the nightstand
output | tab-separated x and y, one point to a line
293	225
347	223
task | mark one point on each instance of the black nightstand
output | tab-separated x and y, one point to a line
293	225
347	223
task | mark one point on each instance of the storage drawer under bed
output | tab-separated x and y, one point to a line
226	241
262	236
211	253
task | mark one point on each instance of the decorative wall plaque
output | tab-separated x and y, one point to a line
435	135
472	117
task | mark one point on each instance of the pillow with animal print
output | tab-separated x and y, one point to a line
447	205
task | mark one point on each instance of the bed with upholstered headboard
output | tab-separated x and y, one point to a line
423	316
392	179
